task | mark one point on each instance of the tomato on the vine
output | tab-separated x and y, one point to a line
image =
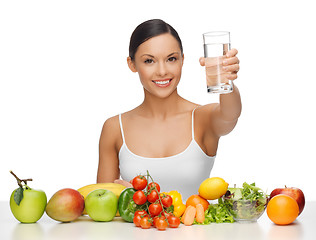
140	212
139	182
166	214
138	215
139	197
166	201
152	185
154	209
145	222
161	223
153	196
136	220
173	221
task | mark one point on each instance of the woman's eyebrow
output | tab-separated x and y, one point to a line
172	54
149	55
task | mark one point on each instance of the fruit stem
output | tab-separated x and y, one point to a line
21	180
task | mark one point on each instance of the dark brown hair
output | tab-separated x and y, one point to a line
149	29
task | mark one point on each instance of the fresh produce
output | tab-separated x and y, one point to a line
218	213
126	205
145	222
173	221
200	216
113	187
245	203
213	188
188	215
150	207
178	206
101	205
160	223
139	197
27	205
293	192
65	205
282	209
139	182
196	199
138	216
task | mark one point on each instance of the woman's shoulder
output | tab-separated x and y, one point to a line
111	125
111	133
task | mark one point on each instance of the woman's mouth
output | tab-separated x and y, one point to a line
162	83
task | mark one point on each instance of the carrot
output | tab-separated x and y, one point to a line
188	215
200	217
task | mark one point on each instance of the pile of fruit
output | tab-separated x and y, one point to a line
146	206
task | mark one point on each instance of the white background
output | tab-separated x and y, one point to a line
63	72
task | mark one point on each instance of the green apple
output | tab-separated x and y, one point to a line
101	205
32	206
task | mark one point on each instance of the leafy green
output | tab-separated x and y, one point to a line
217	213
249	202
251	192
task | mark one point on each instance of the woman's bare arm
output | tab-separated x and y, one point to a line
108	169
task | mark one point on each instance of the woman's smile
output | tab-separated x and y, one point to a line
162	83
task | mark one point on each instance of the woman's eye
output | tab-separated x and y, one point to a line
172	59
148	61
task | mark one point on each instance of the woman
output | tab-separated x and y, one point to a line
173	138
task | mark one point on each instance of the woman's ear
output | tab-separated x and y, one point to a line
182	59
131	64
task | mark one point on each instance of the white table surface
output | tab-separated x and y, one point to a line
304	227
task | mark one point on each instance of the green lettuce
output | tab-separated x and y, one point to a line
217	213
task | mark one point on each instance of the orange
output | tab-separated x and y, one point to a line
282	209
196	199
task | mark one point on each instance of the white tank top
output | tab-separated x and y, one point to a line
183	172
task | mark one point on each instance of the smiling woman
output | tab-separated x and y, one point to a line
173	138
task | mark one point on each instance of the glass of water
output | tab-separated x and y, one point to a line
216	45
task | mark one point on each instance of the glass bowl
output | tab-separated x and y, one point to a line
245	211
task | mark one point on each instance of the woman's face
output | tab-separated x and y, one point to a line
158	62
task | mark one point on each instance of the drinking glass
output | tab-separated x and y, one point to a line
216	45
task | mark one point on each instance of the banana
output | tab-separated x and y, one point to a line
114	187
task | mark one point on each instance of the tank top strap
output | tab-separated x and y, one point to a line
121	126
193	123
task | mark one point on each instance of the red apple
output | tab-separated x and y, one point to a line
293	192
65	205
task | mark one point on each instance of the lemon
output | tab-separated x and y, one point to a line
213	188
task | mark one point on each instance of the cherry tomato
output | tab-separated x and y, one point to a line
136	220
173	221
153	196
139	197
166	201
138	215
145	222
152	185
166	214
140	212
161	224
139	182
154	209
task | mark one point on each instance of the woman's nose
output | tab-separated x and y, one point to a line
161	69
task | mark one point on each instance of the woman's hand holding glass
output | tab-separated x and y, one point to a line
230	64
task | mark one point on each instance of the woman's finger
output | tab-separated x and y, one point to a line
122	182
231	61
231	53
202	61
231	68
232	76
